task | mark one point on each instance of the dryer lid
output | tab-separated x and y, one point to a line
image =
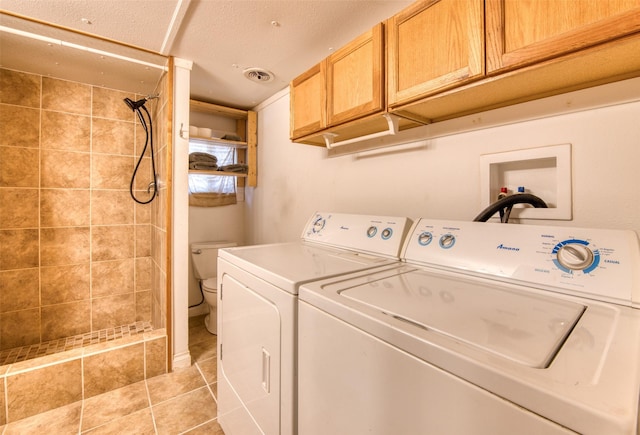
525	327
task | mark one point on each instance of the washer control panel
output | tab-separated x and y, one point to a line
381	235
600	263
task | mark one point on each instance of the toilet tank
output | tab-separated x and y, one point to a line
204	256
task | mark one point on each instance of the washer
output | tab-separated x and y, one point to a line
257	311
486	329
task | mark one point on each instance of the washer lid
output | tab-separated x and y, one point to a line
525	327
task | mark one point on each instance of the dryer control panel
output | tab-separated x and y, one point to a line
378	235
602	264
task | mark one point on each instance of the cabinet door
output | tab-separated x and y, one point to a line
521	32
308	102
434	45
355	78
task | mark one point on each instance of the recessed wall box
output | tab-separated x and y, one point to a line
543	171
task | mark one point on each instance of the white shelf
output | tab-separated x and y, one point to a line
218	142
220	173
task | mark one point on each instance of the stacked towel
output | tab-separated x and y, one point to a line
203	161
235	168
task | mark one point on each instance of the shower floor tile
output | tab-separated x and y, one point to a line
24	353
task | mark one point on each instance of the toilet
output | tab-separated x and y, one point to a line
204	256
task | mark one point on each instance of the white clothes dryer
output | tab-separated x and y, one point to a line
487	329
257	312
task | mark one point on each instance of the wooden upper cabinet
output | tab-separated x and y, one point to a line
355	78
434	45
308	101
523	32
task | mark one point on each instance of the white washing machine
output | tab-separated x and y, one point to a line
487	329
257	312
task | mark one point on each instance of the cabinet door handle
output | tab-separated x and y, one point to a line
266	365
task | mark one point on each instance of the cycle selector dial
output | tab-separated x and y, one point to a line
447	241
575	256
318	224
425	238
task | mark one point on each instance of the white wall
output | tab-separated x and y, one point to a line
440	177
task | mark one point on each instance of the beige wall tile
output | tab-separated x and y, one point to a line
143	178
19	289
65	169
142	213
40	390
108	103
3	414
143	273
112	311
65	320
143	306
111	172
19	208
61	246
18	249
111	207
112	137
112	242
19	328
112	277
47	360
66	96
64	207
156	357
185	412
64	131
112	405
19	126
61	284
19	167
143	240
114	369
19	88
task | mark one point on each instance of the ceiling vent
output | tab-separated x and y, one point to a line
258	75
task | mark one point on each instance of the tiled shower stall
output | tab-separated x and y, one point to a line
81	264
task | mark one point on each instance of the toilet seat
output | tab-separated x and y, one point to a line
210	285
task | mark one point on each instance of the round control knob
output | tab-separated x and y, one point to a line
318	224
447	241
386	233
425	238
371	231
575	256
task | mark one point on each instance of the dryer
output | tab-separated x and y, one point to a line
486	329
257	312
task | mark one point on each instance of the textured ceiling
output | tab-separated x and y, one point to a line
222	38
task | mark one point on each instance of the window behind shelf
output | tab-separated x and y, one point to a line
213	190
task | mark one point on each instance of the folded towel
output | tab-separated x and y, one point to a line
230	136
206	166
202	157
234	168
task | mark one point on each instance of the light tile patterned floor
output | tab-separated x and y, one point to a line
182	402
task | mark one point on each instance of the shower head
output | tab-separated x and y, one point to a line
133	105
